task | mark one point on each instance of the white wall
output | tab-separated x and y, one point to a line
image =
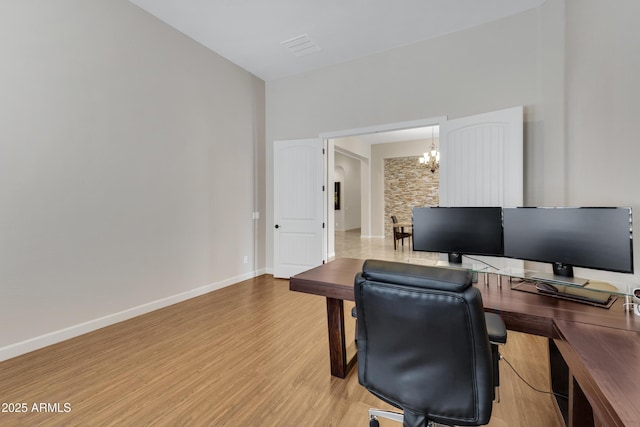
348	218
131	159
358	149
602	123
603	106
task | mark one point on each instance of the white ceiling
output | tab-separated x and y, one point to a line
249	32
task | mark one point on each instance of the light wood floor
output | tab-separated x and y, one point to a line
252	354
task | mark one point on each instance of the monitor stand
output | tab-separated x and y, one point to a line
455	258
562	280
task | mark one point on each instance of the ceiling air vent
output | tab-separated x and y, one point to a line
300	45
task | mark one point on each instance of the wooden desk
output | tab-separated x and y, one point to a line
604	373
556	319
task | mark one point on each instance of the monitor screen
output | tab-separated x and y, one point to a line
460	230
598	238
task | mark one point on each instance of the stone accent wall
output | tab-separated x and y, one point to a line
407	184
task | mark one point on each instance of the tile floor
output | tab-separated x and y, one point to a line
349	244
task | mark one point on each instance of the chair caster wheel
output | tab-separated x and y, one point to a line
373	422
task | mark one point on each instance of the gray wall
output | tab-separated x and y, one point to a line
131	160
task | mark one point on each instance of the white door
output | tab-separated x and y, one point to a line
481	160
298	170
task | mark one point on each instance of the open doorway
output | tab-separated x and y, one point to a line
380	173
482	164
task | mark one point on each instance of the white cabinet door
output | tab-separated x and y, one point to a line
298	206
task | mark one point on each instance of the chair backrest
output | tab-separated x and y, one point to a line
397	234
422	342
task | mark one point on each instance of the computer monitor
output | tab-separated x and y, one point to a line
598	238
458	231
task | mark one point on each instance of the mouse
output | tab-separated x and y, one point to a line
546	287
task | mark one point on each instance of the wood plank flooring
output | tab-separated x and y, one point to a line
252	354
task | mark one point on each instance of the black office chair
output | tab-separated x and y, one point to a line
424	346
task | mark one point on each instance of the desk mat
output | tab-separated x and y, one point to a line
530	287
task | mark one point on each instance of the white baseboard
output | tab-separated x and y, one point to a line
54	337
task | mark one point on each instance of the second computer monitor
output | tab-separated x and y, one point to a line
598	238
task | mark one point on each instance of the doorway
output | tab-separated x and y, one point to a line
372	149
482	162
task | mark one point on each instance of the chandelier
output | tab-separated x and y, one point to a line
431	159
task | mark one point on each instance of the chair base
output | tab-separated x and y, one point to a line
393	416
389	415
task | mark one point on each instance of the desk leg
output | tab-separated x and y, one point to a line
575	408
340	366
580	412
559	380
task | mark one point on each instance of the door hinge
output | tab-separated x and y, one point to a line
323	151
323	225
323	188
